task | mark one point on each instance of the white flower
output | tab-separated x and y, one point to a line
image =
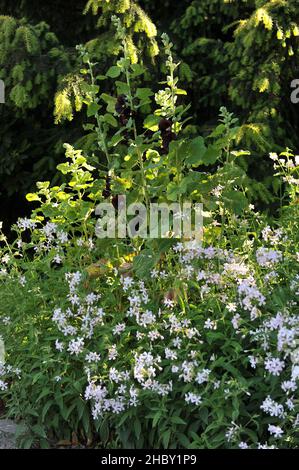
62	237
80	242
22	280
119	328
92	357
25	224
274	365
267	258
3	385
253	361
91	244
231	307
236	321
217	191
49	229
276	431
147	318
232	432
273	156
295	373
112	353
193	398
177	342
210	324
272	407
114	375
202	376
168	303
290	404
169	354
73	280
57	259
265	446
5	259
91	298
289	386
126	282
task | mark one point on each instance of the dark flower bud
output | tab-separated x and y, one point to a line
167	137
121	103
165	125
107	191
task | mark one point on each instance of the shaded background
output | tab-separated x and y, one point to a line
240	54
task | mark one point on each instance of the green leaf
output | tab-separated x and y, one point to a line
183	440
115	140
44	444
144	263
137	428
39	431
143	93
179	91
219	130
110	100
32	197
156	418
110	120
174	190
46	409
86	421
177	420
240	153
81	407
43	184
104	431
137	70
204	415
151	122
212	154
235	201
46	391
21	429
27	443
122	88
166	438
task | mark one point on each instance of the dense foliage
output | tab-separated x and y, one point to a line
242	55
160	343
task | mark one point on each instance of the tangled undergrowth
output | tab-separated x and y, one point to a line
158	343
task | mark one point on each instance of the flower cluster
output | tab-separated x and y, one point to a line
147	345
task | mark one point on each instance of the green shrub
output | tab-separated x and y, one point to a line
159	343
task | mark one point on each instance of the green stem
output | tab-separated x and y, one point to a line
97	117
139	153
